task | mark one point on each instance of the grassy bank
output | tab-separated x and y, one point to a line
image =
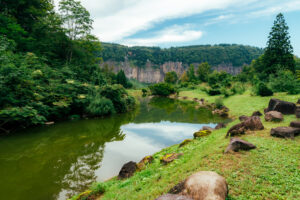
272	171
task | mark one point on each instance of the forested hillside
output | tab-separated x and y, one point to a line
235	55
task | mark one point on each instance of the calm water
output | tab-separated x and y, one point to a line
61	160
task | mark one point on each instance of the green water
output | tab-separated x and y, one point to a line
58	161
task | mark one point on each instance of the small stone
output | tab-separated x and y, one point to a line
237	144
201	133
295	124
220	125
145	161
207	128
127	170
257	113
274	116
169	157
185	142
285	132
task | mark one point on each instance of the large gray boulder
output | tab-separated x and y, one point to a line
281	106
205	185
237	144
273	116
285	132
173	197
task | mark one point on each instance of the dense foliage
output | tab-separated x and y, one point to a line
49	66
162	89
237	55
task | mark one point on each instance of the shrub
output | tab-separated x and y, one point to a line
262	90
219	103
284	81
238	88
162	89
213	92
100	106
144	91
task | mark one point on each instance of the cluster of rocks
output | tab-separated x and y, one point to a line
203	185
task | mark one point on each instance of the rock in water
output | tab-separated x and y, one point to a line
127	170
285	132
273	116
205	185
257	113
295	124
237	144
173	197
220	125
281	106
251	123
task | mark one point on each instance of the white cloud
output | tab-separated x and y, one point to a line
171	34
115	20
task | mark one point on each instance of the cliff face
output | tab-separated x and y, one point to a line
154	74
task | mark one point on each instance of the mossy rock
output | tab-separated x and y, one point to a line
83	195
145	161
185	142
201	133
169	157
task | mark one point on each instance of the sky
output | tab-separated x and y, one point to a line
167	23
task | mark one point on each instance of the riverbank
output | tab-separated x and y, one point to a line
269	172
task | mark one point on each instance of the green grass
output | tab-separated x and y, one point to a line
272	171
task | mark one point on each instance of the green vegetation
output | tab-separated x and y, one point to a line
237	55
49	65
268	172
162	89
171	77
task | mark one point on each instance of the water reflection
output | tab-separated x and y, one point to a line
58	161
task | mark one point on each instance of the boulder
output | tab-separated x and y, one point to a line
252	123
173	197
220	125
285	132
177	188
243	118
185	142
169	157
273	116
281	106
205	185
195	99
295	124
201	133
298	112
257	113
127	170
184	97
145	161
207	128
237	144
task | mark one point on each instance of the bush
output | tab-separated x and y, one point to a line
162	89
100	106
262	90
219	103
238	88
284	81
213	92
144	91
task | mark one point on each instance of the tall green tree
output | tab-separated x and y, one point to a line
203	71
279	51
191	73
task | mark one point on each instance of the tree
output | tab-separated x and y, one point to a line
76	18
191	73
203	71
121	79
184	77
279	51
171	77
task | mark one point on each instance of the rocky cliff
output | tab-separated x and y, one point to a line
151	73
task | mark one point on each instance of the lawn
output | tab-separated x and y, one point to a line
271	171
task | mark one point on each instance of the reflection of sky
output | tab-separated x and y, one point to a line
142	140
